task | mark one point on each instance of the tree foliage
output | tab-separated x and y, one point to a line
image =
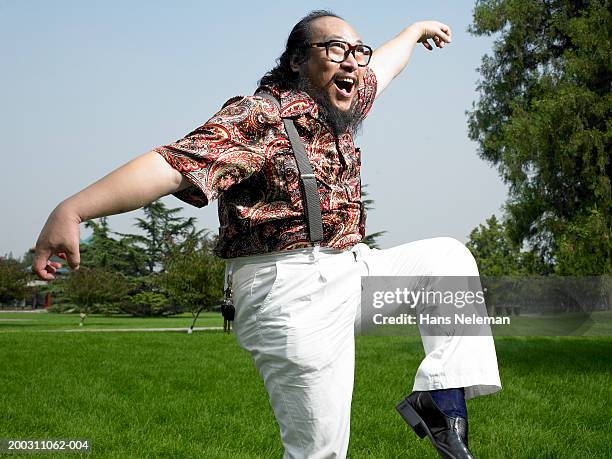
148	303
501	263
96	289
543	119
194	275
371	240
494	251
123	272
163	228
13	281
105	252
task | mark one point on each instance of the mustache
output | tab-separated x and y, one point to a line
337	120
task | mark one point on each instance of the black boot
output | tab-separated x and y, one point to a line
449	435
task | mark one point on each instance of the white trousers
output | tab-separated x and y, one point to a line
296	313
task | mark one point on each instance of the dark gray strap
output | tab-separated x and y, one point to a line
308	181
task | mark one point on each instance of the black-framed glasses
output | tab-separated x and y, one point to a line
338	51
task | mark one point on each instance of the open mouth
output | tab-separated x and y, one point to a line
344	85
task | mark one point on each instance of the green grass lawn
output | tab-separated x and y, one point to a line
177	395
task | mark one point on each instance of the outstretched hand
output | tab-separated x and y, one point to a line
440	34
59	236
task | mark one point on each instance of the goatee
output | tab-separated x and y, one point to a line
339	121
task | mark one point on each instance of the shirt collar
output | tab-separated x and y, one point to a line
293	103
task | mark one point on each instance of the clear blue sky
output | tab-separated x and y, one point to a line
86	86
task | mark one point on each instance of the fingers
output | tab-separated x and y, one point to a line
442	36
45	269
439	32
426	44
41	266
73	257
52	267
444	33
425	41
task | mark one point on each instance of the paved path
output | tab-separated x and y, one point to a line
95	330
25	311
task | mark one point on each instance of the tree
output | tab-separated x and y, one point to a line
13	281
148	303
496	256
163	230
119	255
368	204
194	275
543	120
28	258
96	289
148	298
578	251
494	251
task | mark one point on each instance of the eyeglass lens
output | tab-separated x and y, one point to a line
337	52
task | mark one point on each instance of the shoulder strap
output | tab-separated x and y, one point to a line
308	181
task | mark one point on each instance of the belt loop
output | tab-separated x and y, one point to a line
314	256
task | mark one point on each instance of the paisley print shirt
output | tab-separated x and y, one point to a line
243	157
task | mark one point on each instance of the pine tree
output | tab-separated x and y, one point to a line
543	119
163	229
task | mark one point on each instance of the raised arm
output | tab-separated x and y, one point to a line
392	57
130	187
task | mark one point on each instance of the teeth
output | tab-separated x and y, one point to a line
349	81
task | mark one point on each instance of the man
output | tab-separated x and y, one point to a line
297	303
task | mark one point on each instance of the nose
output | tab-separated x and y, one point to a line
350	63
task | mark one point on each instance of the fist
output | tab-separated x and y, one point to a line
440	33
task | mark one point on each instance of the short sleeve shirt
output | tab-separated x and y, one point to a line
243	158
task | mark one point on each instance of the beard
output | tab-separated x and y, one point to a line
339	121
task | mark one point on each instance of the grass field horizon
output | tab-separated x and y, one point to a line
170	394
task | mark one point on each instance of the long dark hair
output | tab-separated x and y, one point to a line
298	44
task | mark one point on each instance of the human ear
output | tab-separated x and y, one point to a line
295	65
